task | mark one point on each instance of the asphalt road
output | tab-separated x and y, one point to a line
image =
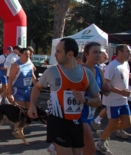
35	134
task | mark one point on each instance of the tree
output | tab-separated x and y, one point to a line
110	15
59	17
39	23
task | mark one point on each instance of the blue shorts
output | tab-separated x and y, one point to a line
85	120
87	115
3	79
21	95
116	112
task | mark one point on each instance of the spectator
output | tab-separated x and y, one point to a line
113	57
46	62
103	59
31	49
79	58
11	58
31	54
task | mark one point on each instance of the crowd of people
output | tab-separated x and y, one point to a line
79	84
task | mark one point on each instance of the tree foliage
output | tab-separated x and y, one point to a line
39	22
110	15
47	19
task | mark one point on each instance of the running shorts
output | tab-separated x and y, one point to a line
66	133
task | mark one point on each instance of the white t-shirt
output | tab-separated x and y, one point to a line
102	66
11	58
2	59
118	74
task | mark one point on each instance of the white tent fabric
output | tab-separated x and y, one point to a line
91	33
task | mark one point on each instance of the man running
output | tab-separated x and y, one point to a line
116	104
68	82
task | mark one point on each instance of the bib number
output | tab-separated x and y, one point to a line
27	81
91	112
71	106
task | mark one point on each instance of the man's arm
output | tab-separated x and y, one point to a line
32	113
130	75
13	72
125	93
106	87
34	80
93	101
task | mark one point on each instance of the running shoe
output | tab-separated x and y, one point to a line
103	147
99	133
122	134
51	149
95	125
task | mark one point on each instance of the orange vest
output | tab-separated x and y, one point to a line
71	109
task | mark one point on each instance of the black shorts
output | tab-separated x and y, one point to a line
65	133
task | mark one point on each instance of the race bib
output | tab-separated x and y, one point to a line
91	112
27	81
71	106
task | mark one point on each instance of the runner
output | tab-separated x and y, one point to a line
68	82
118	111
20	79
91	57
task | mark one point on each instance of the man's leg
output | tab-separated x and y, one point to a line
63	150
4	86
102	145
97	120
110	128
119	118
89	145
125	117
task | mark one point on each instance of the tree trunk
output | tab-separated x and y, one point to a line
59	17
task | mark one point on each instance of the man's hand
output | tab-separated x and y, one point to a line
11	98
107	87
32	112
79	96
126	92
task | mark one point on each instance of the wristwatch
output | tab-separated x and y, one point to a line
86	98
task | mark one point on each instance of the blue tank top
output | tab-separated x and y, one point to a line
2	72
23	79
88	112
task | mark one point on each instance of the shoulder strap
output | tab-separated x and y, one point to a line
98	69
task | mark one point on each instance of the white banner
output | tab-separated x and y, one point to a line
14	6
21	36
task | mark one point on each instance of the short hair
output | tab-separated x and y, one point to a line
23	49
31	49
70	45
17	48
88	47
47	61
120	47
